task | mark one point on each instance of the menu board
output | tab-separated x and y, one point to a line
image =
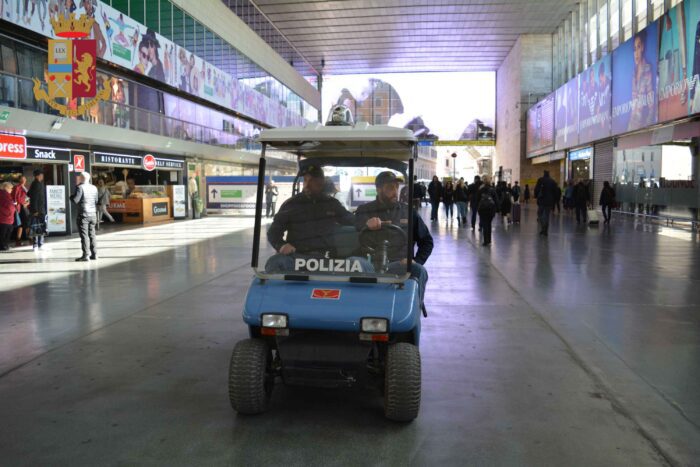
595	101
566	115
56	208
634	99
540	126
179	202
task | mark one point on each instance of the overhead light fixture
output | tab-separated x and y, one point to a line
57	124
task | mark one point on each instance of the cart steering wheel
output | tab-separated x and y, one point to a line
378	242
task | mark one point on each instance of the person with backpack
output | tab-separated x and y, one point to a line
435	193
487	203
546	195
472	192
607	201
516	192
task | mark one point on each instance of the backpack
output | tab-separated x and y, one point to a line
487	204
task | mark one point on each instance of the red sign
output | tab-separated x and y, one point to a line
149	162
84	68
13	147
326	294
78	163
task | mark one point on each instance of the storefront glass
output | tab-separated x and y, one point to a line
580	164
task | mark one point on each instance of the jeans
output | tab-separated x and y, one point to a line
607	213
448	210
473	216
88	238
270	209
462	210
543	213
434	205
418	272
581	214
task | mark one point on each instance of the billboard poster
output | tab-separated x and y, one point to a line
56	208
179	202
635	63
673	60
566	115
692	34
120	40
236	194
595	99
540	126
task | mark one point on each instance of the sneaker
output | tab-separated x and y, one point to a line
82	259
93	257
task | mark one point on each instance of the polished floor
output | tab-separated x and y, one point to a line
580	349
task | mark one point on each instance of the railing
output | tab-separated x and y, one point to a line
17	92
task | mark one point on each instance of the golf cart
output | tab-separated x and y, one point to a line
345	316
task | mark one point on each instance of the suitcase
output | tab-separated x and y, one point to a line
516	213
592	215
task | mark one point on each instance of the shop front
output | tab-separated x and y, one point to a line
20	157
144	188
580	164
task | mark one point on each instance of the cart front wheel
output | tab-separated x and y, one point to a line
249	378
402	384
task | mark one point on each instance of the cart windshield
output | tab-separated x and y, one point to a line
333	219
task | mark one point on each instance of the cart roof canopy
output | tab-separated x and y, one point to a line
361	140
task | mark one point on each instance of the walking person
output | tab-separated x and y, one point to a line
448	199
607	201
516	193
487	205
569	196
271	194
557	201
581	198
472	191
545	193
85	198
104	196
37	209
526	194
461	198
8	213
435	194
506	205
19	195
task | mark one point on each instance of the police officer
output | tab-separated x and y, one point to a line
387	208
309	219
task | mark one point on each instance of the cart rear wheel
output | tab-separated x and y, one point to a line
249	380
402	382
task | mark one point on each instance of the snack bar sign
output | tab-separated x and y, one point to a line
13	147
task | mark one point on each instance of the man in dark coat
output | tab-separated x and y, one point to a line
472	191
581	200
37	206
546	195
435	193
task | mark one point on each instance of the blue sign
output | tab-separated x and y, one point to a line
580	154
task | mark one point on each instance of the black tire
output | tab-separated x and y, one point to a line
402	383
249	380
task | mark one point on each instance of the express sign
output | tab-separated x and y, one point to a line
13	147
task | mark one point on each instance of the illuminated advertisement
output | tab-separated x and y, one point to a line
595	96
634	99
448	106
691	10
540	126
566	115
673	60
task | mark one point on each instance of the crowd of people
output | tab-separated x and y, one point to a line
23	212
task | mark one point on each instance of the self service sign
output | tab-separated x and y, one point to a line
13	147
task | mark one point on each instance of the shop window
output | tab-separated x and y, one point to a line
153	15
641	7
9	61
137	10
121	5
189	38
178	26
166	19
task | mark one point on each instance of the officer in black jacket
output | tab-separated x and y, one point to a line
309	219
386	208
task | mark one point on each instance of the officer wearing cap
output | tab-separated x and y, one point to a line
387	209
309	219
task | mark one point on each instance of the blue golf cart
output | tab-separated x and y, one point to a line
345	316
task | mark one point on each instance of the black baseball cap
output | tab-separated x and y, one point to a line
386	177
314	172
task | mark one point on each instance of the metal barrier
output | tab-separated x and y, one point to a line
669	220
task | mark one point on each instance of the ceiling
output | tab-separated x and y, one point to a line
381	36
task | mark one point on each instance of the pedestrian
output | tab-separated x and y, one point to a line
516	192
581	198
37	209
461	198
487	203
271	194
472	191
104	197
545	193
19	195
448	199
417	193
85	198
557	201
526	194
8	213
505	206
569	196
435	194
607	201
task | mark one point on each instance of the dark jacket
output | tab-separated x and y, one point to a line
461	194
581	195
472	190
558	193
397	213
487	190
516	192
526	193
448	195
546	191
309	223
607	196
435	191
37	198
85	197
271	193
7	208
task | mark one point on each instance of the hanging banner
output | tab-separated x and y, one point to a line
595	98
56	208
673	65
566	115
540	126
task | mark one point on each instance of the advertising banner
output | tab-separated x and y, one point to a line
179	202
692	33
540	126
673	61
566	115
595	99
237	193
56	208
635	63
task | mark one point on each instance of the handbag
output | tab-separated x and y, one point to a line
37	227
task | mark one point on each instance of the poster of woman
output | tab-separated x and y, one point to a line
673	89
692	15
566	115
595	100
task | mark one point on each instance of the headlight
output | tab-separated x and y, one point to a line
374	324
274	321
